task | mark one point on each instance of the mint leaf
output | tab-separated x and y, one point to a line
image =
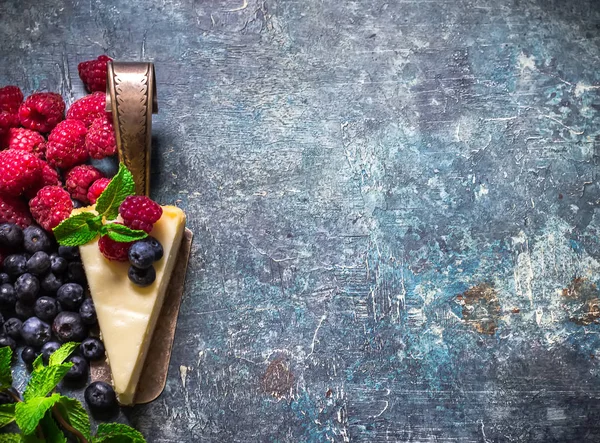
38	363
74	413
7	414
61	354
78	229
120	187
117	433
5	372
11	438
52	432
122	233
43	381
29	413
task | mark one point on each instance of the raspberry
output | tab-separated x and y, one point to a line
19	171
66	145
96	189
79	180
139	212
50	206
88	108
8	120
11	98
48	177
14	210
42	111
93	73
114	250
22	139
100	139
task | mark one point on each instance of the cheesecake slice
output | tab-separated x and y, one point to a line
127	314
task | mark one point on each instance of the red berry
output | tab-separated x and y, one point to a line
27	140
14	210
88	108
114	250
42	111
50	206
47	177
19	171
79	180
66	145
8	120
96	189
139	212
11	98
100	140
93	73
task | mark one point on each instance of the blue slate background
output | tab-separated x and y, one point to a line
394	205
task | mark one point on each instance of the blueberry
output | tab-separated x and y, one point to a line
70	296
78	204
100	397
67	326
155	245
46	308
29	354
12	328
48	349
51	283
24	310
6	398
58	265
141	255
76	274
8	341
109	166
92	349
27	288
80	369
11	235
142	277
36	239
1	321
15	265
8	296
70	253
87	311
4	278
35	332
39	263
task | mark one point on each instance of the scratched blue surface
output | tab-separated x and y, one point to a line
394	206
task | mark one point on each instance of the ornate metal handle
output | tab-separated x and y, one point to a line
131	98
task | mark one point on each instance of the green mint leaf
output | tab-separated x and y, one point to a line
120	187
5	372
62	353
122	233
52	432
74	413
117	433
7	414
38	363
11	438
78	229
43	381
31	438
29	413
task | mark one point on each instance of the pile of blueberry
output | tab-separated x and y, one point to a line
43	303
142	255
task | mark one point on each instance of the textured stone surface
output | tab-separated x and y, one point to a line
394	206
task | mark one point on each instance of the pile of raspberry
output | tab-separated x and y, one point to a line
54	159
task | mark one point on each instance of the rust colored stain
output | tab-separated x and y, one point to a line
480	308
582	301
278	379
515	310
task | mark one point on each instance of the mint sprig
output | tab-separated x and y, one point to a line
84	227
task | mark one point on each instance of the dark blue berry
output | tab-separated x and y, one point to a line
67	326
141	255
4	278
39	263
24	310
76	274
6	398
12	328
100	397
87	311
51	283
27	288
46	308
70	296
80	369
29	354
70	253
36	239
155	245
15	265
8	297
58	265
142	277
92	349
1	321
8	341
11	235
35	332
77	203
109	166
48	349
